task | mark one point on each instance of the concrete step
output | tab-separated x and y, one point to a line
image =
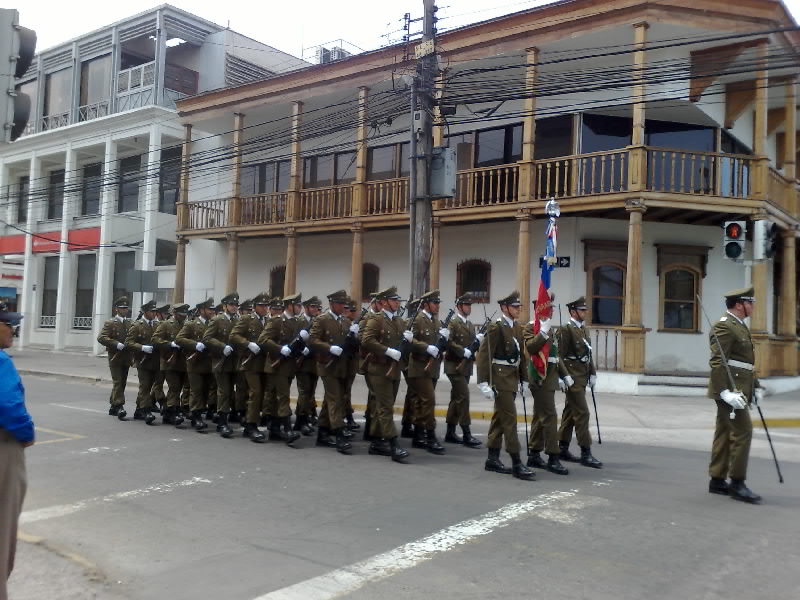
673	380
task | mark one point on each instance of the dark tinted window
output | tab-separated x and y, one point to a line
553	137
607	295
55	195
84	290
681	136
601	133
91	187
129	184
23	187
169	180
381	163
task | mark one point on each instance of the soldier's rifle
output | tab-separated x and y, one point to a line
476	341
405	345
441	342
295	349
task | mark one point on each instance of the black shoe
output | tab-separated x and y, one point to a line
420	440
343	446
587	460
407	431
138	414
177	418
149	418
223	429
254	433
451	436
718	486
312	420
434	447
520	471
493	462
739	491
324	438
235	417
380	447
114	411
347	433
167	416
211	415
554	465
264	421
398	454
197	421
351	424
122	413
302	425
290	436
535	460
468	439
565	454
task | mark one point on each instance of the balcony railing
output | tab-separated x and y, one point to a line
326	203
607	348
208	214
47	321
264	209
54	121
485	186
387	197
89	112
782	192
81	322
699	173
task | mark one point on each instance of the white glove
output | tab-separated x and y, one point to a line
467	353
544	325
592	381
254	348
393	354
200	346
445	333
147	349
569	381
303	334
227	350
336	350
758	396
480	337
354	328
120	346
486	390
562	385
735	399
433	351
286	351
174	345
408	336
306	351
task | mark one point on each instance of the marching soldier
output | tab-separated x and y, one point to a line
423	371
458	362
112	336
280	338
159	398
381	341
139	343
353	362
327	340
173	363
500	373
373	311
198	362
244	337
216	337
307	376
269	406
575	352
544	370
242	393
731	448
407	419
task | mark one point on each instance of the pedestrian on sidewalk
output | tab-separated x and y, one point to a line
16	434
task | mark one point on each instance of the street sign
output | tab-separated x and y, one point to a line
424	48
562	262
141	281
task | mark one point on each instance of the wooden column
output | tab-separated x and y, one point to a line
183	199
787	319
761	166
296	167
232	274
527	168
180	272
290	278
435	254
633	333
360	183
235	215
790	140
759	274
637	169
357	265
524	264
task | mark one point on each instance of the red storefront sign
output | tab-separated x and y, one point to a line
78	240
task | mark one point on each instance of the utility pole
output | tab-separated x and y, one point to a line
420	208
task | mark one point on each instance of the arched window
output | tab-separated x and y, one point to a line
679	288
474	276
370	280
608	294
276	278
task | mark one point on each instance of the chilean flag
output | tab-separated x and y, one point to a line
543	308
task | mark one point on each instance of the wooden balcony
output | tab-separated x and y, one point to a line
670	180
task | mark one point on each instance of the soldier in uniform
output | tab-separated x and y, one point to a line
383	364
159	398
244	337
373	311
139	342
353	362
575	353
307	376
112	336
277	339
198	362
544	370
269	404
173	363
458	362
734	430
407	419
500	374
216	338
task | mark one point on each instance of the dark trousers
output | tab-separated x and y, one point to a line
13	483
458	409
283	386
424	401
119	377
147	378
242	392
544	423
306	389
332	413
255	389
504	423
731	448
382	412
200	384
575	416
225	381
176	381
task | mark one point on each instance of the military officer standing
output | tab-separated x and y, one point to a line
407	419
241	394
159	398
223	364
198	361
269	406
500	373
112	336
458	363
307	376
575	352
173	363
734	430
373	311
353	362
139	342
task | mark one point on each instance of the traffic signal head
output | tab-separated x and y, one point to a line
17	47
734	240
765	239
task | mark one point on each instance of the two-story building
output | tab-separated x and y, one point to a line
651	123
90	190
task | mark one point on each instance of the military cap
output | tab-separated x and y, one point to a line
339	296
743	295
246	305
276	302
579	304
232	298
121	302
293	299
164	309
388	294
412	304
180	308
465	299
148	306
262	299
313	301
208	303
350	303
511	300
432	296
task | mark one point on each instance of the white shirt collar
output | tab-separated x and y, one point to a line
462	317
427	314
389	313
578	324
334	315
509	321
202	319
119	318
287	315
735	317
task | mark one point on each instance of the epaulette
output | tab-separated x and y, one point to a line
721	319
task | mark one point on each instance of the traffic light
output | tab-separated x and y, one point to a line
17	47
765	240
733	241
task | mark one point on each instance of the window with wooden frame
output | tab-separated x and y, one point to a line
277	276
605	263
680	272
370	278
388	162
474	276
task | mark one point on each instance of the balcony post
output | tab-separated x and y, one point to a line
787	323
235	214
290	279
233	262
527	168
183	200
633	332
357	264
790	145
637	153
759	278
66	278
160	60
524	264
295	172
360	183
435	253
761	162
104	278
180	272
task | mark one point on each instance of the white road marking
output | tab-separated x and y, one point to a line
52	512
777	434
94	410
350	578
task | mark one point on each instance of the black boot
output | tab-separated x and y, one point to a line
289	436
167	415
493	462
211	414
351	423
367	437
348	435
718	486
197	420
535	460
264	421
343	446
122	413
301	424
565	454
398	454
468	439
149	418
254	433
114	411
554	465
587	460
519	470
407	431
739	491
380	447
434	447
235	417
324	438
138	414
419	441
451	436
222	426
177	417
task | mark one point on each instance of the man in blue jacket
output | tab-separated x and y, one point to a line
16	434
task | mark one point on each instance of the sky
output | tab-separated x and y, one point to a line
288	26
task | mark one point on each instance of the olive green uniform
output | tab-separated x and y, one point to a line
173	363
248	329
423	370
198	364
119	361
280	332
575	353
147	365
216	337
459	369
544	422
383	373
307	375
331	330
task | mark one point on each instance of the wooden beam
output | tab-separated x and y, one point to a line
775	118
738	96
708	219
709	63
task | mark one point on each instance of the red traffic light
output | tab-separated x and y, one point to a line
734	230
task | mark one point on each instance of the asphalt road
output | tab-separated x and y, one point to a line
126	511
